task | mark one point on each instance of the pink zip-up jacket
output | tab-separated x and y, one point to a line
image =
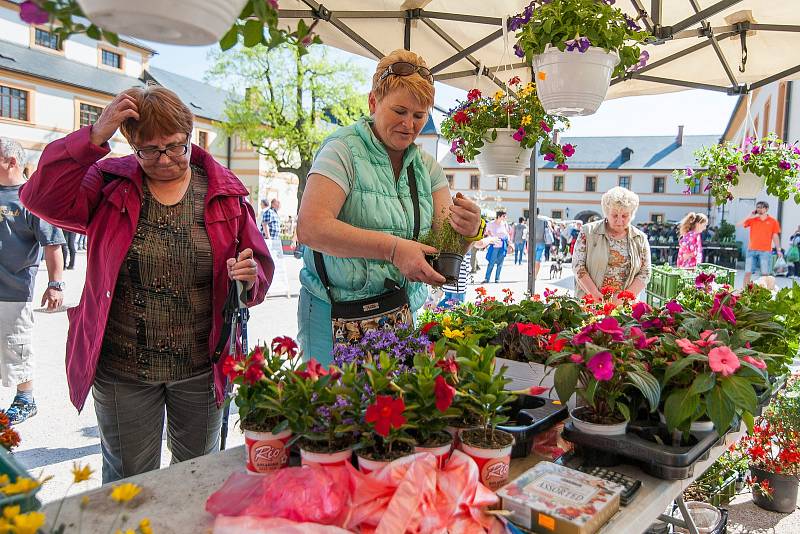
69	190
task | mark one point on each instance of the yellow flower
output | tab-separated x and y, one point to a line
4	479
144	526
9	512
80	474
498	96
28	523
526	120
452	334
22	485
447	321
125	492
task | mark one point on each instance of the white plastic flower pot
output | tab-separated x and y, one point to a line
593	428
696	426
265	451
442	453
504	156
493	464
179	22
573	83
749	186
325	458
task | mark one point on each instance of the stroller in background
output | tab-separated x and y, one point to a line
557	263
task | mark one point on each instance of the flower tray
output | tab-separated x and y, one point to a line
661	461
26	501
666	282
530	416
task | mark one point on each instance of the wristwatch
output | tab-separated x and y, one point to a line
58	286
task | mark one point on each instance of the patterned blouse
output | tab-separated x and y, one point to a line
690	250
160	318
619	263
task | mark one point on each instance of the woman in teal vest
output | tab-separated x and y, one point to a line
357	205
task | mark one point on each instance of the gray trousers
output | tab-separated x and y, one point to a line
130	416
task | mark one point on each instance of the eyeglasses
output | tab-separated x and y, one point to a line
172	151
404	68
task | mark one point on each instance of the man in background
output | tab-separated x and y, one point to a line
271	221
764	234
22	236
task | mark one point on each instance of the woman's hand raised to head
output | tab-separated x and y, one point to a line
409	258
465	216
123	107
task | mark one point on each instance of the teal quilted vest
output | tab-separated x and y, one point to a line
376	202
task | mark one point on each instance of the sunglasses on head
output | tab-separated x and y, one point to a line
404	68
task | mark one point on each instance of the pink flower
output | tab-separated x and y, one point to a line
543	125
639	309
602	366
576	358
723	360
273	3
568	150
707	339
673	307
562	166
687	346
640	341
31	13
519	134
610	326
755	362
549	157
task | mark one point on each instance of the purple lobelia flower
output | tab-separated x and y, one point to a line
581	44
632	24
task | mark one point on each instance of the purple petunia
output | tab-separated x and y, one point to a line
785	165
562	166
549	157
632	24
31	13
602	366
568	150
519	134
756	150
733	168
581	44
518	51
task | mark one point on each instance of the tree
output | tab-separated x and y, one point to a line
288	101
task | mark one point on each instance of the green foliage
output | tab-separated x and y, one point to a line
770	158
554	22
726	232
290	101
419	392
444	238
62	14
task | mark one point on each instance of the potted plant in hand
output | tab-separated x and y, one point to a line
429	404
264	404
743	171
606	364
485	397
500	132
773	449
575	47
450	247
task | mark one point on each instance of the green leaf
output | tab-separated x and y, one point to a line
719	409
253	32
624	410
748	420
680	365
740	392
648	385
566	379
229	40
702	383
94	32
111	37
679	408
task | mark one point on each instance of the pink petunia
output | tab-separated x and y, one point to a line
723	360
568	150
602	366
519	134
543	125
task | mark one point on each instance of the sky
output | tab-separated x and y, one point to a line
701	112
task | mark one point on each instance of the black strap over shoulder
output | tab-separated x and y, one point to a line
319	262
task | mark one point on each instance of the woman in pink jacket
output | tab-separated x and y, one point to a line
168	229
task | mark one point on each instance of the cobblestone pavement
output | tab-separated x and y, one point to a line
59	435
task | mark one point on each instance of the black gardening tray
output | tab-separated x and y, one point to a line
531	415
661	461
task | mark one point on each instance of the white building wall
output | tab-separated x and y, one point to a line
12	29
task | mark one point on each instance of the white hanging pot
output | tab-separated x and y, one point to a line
179	22
573	83
749	186
504	156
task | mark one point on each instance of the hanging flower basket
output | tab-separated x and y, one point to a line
571	83
503	156
749	186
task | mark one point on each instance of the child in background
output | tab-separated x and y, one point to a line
690	245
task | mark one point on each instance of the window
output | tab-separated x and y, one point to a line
625	181
657	218
558	182
557	214
697	186
13	103
591	183
527	182
502	183
202	139
475	182
450	179
659	183
111	59
89	114
46	39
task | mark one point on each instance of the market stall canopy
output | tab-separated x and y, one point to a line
702	44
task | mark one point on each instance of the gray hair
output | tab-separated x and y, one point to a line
12	149
620	198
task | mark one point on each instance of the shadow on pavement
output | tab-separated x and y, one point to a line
44	456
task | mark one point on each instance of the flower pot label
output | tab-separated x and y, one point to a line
494	471
264	456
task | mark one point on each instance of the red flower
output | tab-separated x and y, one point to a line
229	368
461	117
460	158
555	344
448	365
428	326
626	295
444	393
514	80
529	329
253	374
257	356
474	94
284	345
313	370
607	291
587	299
608	308
481	291
9	438
385	414
537	390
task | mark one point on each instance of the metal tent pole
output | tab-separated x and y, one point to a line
532	220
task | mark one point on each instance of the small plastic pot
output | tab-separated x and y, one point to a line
266	452
441	452
325	458
447	264
493	464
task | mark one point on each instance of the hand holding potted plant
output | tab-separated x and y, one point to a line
575	47
500	132
450	247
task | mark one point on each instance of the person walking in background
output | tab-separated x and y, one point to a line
271	221
764	235
261	217
81	245
549	239
690	245
520	239
68	250
22	236
496	253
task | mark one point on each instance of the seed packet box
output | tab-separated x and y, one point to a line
553	499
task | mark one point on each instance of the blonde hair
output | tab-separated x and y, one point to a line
621	198
161	112
690	222
415	84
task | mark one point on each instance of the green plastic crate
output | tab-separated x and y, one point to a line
666	282
26	501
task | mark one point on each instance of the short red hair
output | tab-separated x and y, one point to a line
161	112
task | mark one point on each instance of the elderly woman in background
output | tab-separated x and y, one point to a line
168	229
612	252
358	209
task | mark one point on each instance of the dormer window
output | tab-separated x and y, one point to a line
111	59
